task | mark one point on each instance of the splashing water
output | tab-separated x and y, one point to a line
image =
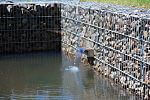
72	69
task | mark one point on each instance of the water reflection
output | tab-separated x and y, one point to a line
24	74
42	76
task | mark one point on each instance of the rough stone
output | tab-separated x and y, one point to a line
121	35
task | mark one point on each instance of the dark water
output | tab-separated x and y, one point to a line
42	76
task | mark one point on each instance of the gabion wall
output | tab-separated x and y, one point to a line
29	27
120	37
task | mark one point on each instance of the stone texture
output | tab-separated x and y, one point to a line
123	35
29	27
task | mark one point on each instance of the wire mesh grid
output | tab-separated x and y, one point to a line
29	27
121	42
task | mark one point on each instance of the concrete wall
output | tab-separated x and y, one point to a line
120	37
29	27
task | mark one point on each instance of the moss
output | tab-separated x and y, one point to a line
131	3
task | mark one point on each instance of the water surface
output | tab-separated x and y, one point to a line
42	76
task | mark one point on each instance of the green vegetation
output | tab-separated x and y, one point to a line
133	3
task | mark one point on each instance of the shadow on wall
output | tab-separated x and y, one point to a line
30	27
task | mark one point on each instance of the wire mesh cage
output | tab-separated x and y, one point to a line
26	27
119	36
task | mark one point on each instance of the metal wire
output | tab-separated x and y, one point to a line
105	29
96	31
29	27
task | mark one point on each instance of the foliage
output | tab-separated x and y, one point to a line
133	3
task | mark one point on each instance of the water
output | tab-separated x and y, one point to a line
42	76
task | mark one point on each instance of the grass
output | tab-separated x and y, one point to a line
132	3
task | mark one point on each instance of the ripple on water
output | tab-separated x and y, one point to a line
40	77
43	93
